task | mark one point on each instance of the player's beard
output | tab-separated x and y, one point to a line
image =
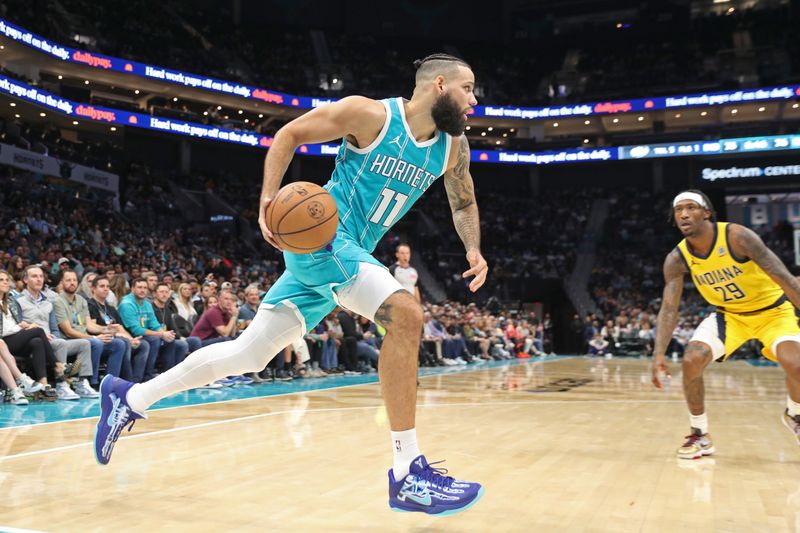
447	116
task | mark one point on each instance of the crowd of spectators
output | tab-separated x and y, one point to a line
86	291
517	238
653	51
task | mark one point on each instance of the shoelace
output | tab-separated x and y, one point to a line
692	439
436	476
121	417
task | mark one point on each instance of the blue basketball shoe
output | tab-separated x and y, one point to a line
428	490
115	414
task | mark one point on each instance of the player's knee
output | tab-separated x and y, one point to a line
696	356
400	312
788	354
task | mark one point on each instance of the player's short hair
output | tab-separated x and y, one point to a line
708	207
435	64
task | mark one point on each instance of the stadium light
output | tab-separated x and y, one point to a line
468	128
240	111
761	109
795	106
615	121
219	108
86	82
586	141
497	142
555	124
640	119
136	91
703	113
261	115
587	122
483	134
734	111
505	135
60	77
113	128
205	113
512	129
489	128
74	122
16	115
174	98
677	115
13	104
42	114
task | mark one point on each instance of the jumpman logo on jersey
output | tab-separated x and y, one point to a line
396	140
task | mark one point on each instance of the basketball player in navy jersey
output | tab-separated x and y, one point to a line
391	152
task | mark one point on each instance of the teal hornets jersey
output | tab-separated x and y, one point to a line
376	185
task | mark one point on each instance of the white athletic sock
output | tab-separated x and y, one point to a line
794	407
405	449
699	422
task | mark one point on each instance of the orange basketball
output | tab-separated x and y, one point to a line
302	217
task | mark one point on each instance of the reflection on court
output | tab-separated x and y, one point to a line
564	445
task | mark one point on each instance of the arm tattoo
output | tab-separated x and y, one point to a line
460	191
670	303
461	195
748	241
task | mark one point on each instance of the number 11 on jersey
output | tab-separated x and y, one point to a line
387	195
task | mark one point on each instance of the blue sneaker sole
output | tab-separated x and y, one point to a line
105	408
450	512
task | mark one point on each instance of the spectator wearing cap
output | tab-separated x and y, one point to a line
58	270
139	318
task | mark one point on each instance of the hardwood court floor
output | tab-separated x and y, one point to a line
565	445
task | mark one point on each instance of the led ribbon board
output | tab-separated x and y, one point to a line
185	79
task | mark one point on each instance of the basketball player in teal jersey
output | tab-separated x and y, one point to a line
392	151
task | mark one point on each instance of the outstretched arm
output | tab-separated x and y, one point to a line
674	270
746	243
461	195
358	118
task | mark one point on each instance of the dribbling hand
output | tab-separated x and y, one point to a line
262	222
480	269
660	370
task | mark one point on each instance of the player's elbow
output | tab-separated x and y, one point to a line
287	136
